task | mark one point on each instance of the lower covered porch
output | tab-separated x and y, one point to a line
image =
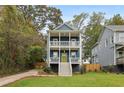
55	57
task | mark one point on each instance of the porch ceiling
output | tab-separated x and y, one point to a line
56	48
72	33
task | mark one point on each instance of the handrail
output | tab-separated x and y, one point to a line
54	59
74	59
70	65
64	43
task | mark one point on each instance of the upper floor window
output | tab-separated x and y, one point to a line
55	54
121	37
112	40
55	42
106	43
73	54
73	40
55	39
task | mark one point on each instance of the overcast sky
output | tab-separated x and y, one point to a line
69	10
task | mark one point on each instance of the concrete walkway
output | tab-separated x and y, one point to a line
12	78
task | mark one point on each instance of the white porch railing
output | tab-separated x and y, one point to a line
120	60
64	43
54	59
54	43
75	59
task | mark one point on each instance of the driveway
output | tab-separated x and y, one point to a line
12	78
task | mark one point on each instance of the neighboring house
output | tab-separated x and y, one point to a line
94	58
109	50
64	50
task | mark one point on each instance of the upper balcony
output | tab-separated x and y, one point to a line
64	37
65	43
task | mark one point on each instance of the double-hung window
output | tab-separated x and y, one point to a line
55	54
121	37
73	54
55	41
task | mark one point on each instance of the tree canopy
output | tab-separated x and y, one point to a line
78	21
115	20
16	36
42	16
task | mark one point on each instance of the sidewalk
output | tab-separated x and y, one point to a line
12	78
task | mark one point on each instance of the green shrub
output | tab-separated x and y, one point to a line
47	69
36	54
105	70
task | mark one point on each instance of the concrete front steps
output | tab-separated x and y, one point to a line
65	69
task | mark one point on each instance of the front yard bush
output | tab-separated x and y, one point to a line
36	55
47	69
110	69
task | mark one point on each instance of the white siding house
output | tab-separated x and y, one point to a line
64	46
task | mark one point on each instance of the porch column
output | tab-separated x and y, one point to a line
48	42
80	47
115	49
59	46
69	49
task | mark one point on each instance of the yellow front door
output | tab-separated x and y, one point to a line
64	57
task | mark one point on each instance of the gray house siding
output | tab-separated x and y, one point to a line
106	48
110	46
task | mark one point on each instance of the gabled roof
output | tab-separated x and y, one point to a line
64	26
111	28
95	44
115	27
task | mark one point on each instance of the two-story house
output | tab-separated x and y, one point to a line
109	50
64	50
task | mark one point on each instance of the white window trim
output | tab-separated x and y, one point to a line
55	54
111	40
106	43
73	40
73	54
121	37
55	39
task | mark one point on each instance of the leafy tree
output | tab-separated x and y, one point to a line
78	21
16	36
115	20
42	16
92	31
36	54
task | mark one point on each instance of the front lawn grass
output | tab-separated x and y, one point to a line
84	80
